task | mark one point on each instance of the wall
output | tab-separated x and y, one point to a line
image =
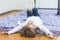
24	4
7	5
47	3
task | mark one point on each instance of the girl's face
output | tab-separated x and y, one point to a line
31	25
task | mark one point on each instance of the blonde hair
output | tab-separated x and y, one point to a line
27	32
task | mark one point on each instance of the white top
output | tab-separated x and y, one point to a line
36	20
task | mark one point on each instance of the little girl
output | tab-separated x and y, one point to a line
28	28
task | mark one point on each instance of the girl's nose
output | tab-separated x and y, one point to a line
30	22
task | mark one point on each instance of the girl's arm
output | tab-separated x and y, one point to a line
19	27
16	28
39	24
46	31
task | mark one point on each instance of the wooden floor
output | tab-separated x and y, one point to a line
9	13
17	36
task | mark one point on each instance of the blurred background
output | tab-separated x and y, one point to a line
8	5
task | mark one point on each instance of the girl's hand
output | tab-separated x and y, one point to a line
4	32
50	35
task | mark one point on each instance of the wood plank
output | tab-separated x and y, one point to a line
9	13
16	36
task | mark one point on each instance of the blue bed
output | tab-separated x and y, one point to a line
49	18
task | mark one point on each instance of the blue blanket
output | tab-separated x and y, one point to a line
50	20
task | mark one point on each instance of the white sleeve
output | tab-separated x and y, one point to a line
16	28
44	29
19	27
39	24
